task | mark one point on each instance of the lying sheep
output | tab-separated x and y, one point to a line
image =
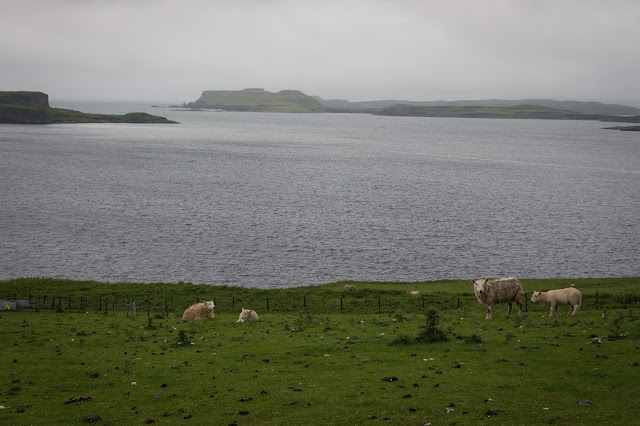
415	293
561	297
199	311
350	287
492	292
247	315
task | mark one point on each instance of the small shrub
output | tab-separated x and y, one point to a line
182	339
431	332
474	338
402	339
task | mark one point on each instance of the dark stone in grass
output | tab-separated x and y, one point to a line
20	410
77	399
243	412
149	421
293	402
412	410
390	379
408	395
634	364
92	418
15	389
493	412
94	375
164	385
188	416
264	392
585	402
165	414
372	417
551	421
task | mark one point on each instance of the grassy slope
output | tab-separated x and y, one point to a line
318	366
258	100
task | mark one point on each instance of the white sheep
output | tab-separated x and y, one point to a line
247	315
199	311
350	287
415	293
504	290
561	297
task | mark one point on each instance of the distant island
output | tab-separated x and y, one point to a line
33	108
260	100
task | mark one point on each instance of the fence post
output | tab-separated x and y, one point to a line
36	303
267	304
148	308
233	303
166	307
458	302
69	304
106	307
379	303
422	304
526	302
596	300
341	303
59	305
305	301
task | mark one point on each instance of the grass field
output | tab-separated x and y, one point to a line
318	365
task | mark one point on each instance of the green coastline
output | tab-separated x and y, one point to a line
33	108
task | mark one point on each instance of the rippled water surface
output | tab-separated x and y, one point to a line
278	200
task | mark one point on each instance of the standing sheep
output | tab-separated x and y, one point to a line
199	311
561	297
350	287
491	292
247	315
415	293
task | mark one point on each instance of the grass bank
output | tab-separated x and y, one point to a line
318	365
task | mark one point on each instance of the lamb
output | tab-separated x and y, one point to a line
247	315
415	293
199	311
561	297
350	287
491	292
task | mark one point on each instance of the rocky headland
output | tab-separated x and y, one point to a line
33	108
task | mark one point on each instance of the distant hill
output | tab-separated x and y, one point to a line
33	108
257	100
518	111
574	106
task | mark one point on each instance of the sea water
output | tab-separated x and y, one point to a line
278	200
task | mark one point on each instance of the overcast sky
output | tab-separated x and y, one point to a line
357	50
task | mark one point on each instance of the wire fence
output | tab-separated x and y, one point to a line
317	304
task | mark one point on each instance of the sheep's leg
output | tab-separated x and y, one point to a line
489	313
551	309
509	309
519	307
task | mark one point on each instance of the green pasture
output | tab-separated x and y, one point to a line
360	365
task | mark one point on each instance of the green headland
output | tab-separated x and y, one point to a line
258	100
33	108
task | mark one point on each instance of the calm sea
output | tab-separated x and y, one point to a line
280	200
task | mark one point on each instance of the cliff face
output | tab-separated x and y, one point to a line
34	99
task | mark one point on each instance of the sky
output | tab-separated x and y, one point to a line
164	50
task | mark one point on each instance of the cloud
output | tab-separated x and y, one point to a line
358	50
